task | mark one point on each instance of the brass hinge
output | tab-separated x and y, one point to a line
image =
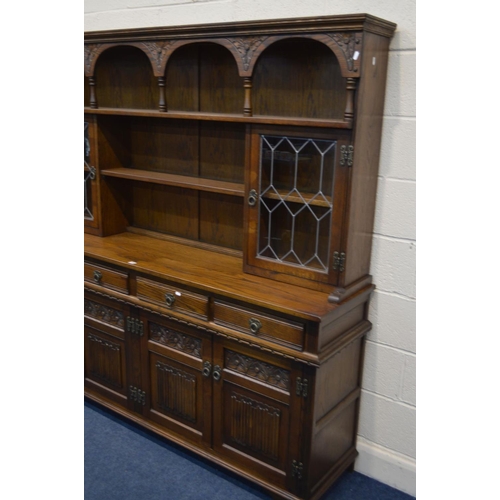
135	326
302	386
346	155
338	261
297	468
137	395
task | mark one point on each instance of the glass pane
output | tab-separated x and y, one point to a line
296	199
89	175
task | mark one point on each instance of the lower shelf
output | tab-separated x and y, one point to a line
184	181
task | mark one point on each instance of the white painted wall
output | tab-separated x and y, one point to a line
387	428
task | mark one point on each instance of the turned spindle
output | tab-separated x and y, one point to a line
349	108
247	106
93	98
163	100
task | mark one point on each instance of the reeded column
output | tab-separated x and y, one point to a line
351	91
163	100
247	106
93	98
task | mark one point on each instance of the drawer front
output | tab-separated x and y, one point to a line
174	298
263	326
108	278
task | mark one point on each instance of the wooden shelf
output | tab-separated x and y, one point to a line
295	198
223	117
183	181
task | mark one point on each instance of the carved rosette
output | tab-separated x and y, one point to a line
349	43
175	340
246	47
103	313
158	52
90	51
259	370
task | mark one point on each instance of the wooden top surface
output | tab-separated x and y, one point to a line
207	271
344	22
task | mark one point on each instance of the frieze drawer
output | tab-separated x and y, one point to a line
106	277
263	326
174	298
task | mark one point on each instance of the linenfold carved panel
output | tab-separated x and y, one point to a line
103	360
255	426
176	391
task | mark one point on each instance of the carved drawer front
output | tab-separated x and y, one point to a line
106	277
174	298
264	326
104	313
255	369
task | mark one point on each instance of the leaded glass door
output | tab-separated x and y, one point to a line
296	202
89	174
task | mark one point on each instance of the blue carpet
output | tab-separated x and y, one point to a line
125	462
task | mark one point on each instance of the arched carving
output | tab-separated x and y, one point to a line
245	49
94	51
91	52
171	46
350	45
346	47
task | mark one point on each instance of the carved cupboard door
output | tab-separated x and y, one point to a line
257	417
106	348
179	378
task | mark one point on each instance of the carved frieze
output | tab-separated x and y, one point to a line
175	340
204	328
103	313
259	370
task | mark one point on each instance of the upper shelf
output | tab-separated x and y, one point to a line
222	117
293	79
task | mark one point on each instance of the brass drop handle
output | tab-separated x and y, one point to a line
97	276
255	325
207	368
216	374
169	299
252	197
